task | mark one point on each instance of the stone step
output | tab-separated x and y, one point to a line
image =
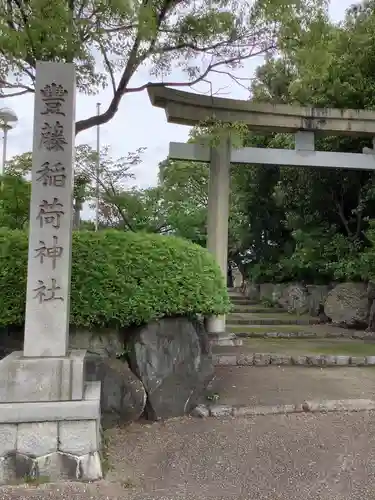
244	301
298	331
270	319
257	309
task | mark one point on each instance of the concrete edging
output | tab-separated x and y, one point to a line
274	359
313	406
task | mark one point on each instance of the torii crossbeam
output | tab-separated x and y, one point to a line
304	122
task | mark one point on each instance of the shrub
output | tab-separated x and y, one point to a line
120	278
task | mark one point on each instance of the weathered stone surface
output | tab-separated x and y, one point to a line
347	305
261	359
54	411
266	291
226	360
41	379
358	360
245	359
89	467
123	396
316	297
330	360
252	290
79	437
200	411
8	438
172	358
237	279
37	438
294	298
281	359
105	342
221	411
15	466
299	360
342	360
56	467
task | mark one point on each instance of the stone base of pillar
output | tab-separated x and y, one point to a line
217	335
36	379
51	441
224	339
49	420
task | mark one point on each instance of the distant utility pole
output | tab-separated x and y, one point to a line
97	176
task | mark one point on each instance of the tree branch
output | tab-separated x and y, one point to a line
122	90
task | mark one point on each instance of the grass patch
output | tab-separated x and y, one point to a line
312	346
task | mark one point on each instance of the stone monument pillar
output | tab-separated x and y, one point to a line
49	415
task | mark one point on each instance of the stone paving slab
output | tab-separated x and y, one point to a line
253	386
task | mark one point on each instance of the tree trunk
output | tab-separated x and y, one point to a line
76	215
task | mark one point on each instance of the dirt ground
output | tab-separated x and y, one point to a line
309	456
274	385
273	457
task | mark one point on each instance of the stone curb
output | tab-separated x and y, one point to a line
304	335
313	406
267	359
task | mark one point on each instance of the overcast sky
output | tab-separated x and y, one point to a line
137	123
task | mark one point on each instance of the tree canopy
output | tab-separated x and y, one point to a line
109	41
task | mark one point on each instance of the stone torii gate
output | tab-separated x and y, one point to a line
186	108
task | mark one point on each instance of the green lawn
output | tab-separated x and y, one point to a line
312	346
262	329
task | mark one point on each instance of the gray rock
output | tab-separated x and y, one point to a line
317	295
266	291
105	342
200	411
123	397
342	360
261	359
299	360
280	359
252	290
221	411
347	305
245	360
371	290
172	358
294	298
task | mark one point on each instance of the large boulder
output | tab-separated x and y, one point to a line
347	305
123	397
172	358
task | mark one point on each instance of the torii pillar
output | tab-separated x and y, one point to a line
185	108
218	216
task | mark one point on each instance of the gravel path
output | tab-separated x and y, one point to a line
309	456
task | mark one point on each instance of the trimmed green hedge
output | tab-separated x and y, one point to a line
120	278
